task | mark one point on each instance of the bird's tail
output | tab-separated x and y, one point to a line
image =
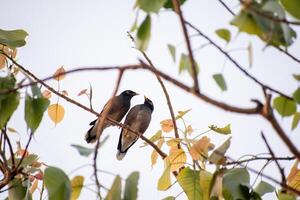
90	136
120	155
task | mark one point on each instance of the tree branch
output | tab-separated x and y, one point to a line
176	6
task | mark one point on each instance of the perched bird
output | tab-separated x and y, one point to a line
137	119
118	107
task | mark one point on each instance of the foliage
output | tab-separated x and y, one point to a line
190	157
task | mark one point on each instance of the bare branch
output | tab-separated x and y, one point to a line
226	7
177	8
260	158
283	180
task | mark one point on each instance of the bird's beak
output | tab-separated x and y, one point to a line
136	93
145	97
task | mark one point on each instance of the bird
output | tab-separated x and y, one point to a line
118	107
137	119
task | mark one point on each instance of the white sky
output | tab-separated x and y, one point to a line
77	33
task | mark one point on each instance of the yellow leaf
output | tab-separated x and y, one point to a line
167	125
154	152
200	149
84	91
59	74
77	184
205	182
182	113
2	61
173	142
189	130
56	113
10	129
34	186
47	94
64	92
164	181
177	158
293	178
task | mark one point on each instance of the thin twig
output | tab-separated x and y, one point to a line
25	150
288	54
283	180
177	8
99	130
226	7
259	159
6	138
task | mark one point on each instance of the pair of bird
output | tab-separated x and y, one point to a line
137	119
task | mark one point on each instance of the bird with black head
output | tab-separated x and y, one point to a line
118	107
138	120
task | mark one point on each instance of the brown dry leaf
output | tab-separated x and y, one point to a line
56	113
20	151
34	186
200	148
12	130
47	94
59	74
64	92
167	125
14	53
2	61
293	178
84	91
154	152
177	158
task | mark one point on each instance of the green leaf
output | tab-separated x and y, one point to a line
13	38
114	192
34	111
8	102
292	6
284	106
286	196
169	3
224	34
172	51
190	182
144	34
250	54
36	91
296	77
218	154
84	151
185	65
205	183
169	198
220	81
296	120
296	95
154	137
151	5
233	179
263	188
18	191
275	34
164	181
57	183
223	130
76	184
131	189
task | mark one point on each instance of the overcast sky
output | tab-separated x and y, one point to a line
76	33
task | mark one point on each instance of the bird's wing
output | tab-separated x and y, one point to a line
137	119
